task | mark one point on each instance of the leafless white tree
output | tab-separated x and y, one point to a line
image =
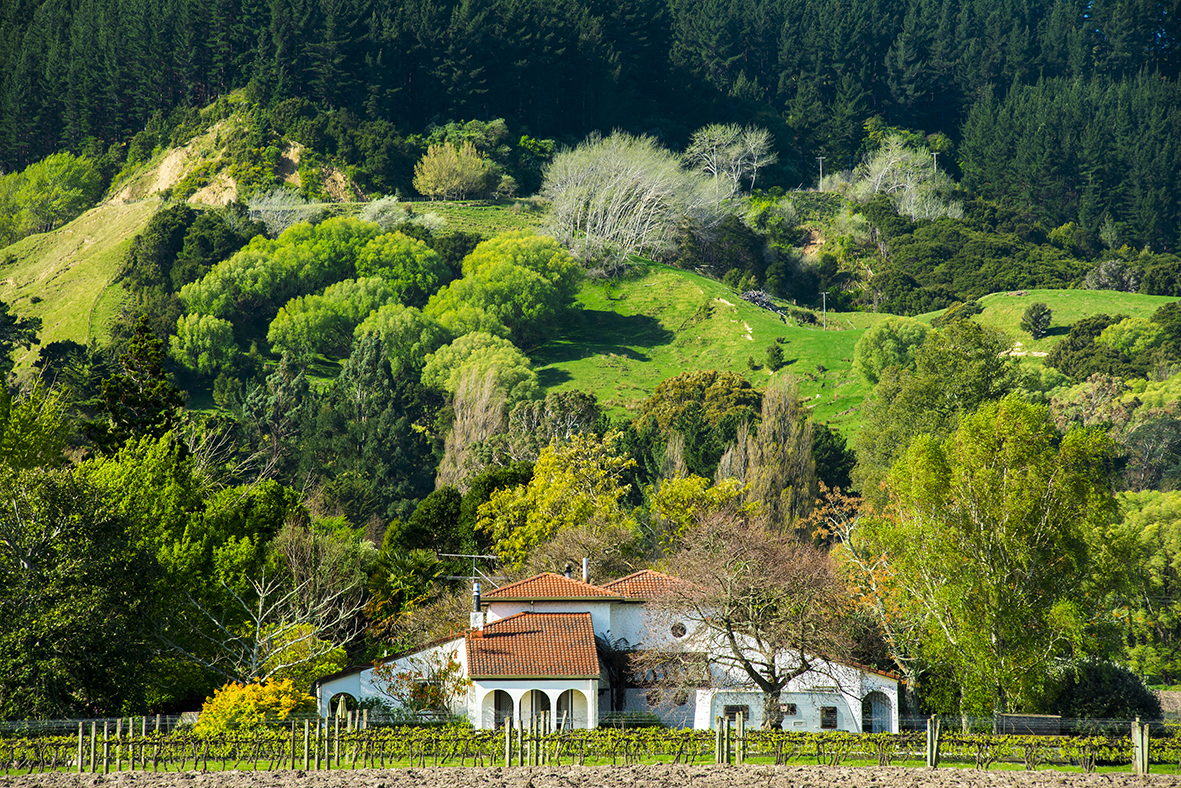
909	177
279	208
264	629
731	153
621	195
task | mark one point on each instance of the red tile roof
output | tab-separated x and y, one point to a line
644	584
534	645
547	586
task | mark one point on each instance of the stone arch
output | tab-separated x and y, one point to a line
876	713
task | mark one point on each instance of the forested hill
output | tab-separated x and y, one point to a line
1067	110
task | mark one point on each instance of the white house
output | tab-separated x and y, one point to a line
532	648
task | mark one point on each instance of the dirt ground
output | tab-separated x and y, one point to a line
599	777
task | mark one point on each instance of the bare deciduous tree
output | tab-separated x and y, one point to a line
279	208
730	153
761	609
266	629
621	195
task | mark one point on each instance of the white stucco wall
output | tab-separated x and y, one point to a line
600	611
361	685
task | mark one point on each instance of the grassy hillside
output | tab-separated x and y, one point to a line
64	277
663	321
1067	306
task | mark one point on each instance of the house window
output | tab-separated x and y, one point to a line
678	630
828	717
654	697
731	712
788	709
681	697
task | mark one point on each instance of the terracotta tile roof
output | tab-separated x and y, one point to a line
644	584
547	586
534	645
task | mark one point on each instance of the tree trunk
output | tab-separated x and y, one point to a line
772	714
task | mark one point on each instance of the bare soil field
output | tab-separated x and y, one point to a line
662	776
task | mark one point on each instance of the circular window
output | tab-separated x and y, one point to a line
653	697
678	630
681	698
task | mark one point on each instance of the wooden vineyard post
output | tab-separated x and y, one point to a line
718	741
106	747
932	742
119	745
81	736
306	739
156	747
508	742
93	740
1140	743
740	754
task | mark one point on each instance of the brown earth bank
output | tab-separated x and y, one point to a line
663	776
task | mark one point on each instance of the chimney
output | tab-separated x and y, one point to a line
477	617
569	572
586	570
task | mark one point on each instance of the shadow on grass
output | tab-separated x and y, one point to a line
601	333
549	377
1057	331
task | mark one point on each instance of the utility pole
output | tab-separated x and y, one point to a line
821	160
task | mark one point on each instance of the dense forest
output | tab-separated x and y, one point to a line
1067	111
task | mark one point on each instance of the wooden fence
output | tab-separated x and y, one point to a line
339	743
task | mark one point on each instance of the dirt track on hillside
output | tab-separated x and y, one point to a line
597	777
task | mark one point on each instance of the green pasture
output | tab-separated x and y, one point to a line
486	217
1004	311
65	277
662	321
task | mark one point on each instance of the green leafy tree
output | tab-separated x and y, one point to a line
452	172
75	597
370	442
138	399
775	359
14	332
408	335
580	482
539	253
203	343
412	269
890	343
481	352
524	301
957	369
326	323
54	191
997	531
1036	320
34	429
